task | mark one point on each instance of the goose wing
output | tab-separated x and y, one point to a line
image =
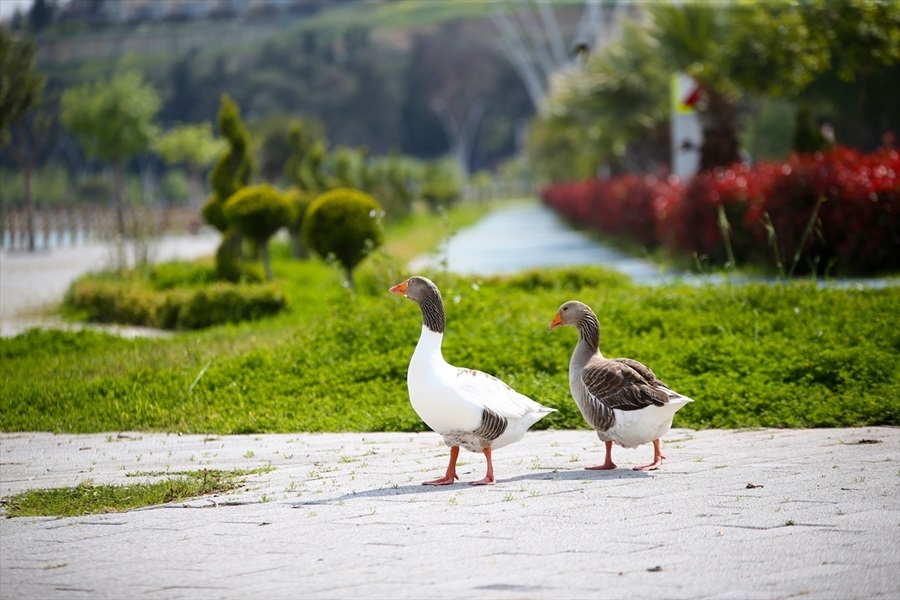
495	395
622	384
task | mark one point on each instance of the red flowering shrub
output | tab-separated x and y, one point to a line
812	212
843	206
630	206
716	203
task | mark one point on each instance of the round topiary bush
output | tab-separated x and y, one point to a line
258	211
346	224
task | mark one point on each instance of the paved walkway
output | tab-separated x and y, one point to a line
732	514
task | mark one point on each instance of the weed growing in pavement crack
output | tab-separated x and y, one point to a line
88	498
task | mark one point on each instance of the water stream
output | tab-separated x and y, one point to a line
529	235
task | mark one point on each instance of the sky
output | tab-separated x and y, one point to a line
8	7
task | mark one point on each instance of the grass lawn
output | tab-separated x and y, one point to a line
88	499
751	355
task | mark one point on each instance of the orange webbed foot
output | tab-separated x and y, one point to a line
446	480
657	459
604	467
485	481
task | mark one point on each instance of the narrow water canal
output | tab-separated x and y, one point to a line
529	235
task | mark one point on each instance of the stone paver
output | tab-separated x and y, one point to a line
346	516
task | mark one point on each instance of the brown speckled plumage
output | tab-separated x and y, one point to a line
618	397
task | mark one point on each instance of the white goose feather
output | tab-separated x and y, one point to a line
467	407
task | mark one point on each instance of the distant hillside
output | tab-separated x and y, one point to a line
72	41
384	75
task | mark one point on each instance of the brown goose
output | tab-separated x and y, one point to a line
620	398
468	408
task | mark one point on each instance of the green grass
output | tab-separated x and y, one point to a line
751	355
89	499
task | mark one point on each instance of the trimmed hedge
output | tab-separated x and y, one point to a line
133	303
838	210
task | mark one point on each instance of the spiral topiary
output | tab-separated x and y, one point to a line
441	185
346	224
234	168
232	172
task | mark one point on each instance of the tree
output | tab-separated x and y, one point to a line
691	37
29	137
21	85
40	15
773	49
345	225
20	93
258	212
195	146
863	37
614	112
113	121
303	170
231	173
305	167
441	184
535	45
349	167
235	166
392	181
313	176
300	139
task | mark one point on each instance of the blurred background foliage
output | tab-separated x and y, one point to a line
427	80
758	63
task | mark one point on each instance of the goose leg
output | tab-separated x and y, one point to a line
489	478
608	463
657	459
451	470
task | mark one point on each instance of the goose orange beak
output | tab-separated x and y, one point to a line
556	322
400	288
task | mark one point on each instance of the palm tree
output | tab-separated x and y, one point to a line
690	37
613	112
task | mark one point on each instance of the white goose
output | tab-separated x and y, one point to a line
620	398
467	407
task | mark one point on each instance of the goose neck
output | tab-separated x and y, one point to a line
589	332
432	313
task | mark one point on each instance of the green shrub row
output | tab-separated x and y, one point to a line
135	303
